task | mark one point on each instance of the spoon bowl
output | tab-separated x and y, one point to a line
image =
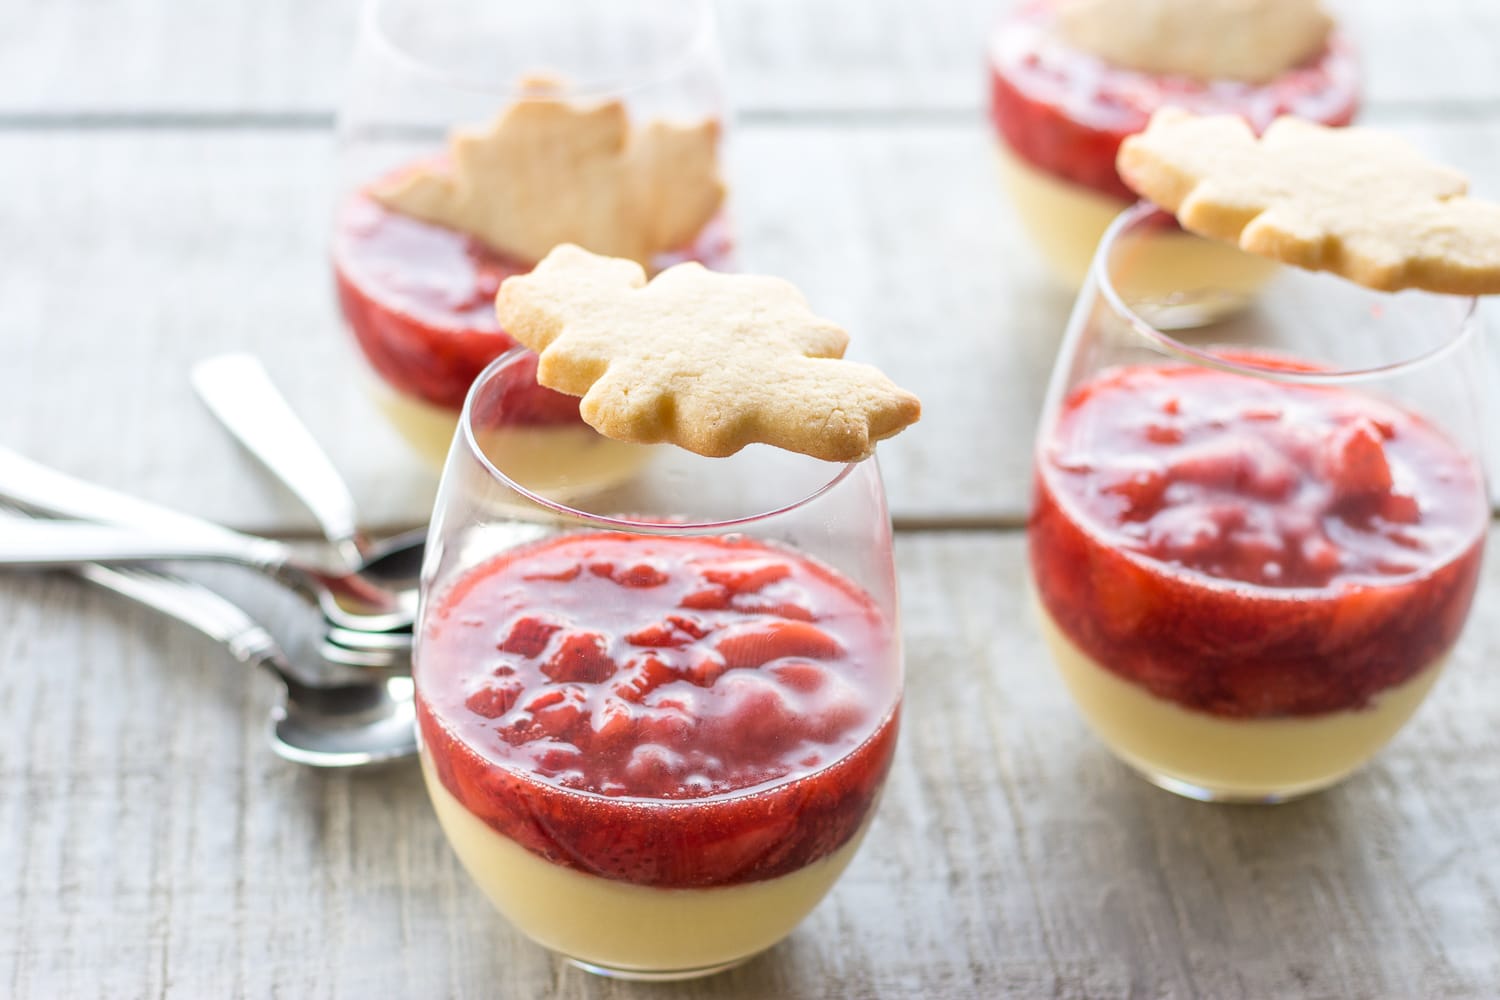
352	725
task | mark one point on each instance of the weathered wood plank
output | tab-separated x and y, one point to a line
132	254
150	844
155	56
111	296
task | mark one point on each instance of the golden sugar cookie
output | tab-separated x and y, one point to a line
710	362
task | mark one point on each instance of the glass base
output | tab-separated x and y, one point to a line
649	976
1200	793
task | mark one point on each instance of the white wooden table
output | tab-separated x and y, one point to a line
164	187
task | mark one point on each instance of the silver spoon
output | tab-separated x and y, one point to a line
353	600
354	724
238	390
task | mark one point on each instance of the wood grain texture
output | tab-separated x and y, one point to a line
150	845
220	245
236	62
163	248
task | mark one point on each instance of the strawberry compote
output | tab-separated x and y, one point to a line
420	299
1253	549
1066	112
1060	114
1248	583
683	713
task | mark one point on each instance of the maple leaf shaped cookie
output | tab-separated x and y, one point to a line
548	172
711	362
1362	204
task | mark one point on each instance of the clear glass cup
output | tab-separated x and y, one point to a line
656	712
1059	114
1256	531
418	298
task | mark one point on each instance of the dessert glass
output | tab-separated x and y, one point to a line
418	297
1060	115
655	728
1255	535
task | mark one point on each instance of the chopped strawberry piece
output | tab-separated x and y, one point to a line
709	599
747	604
706	670
529	636
761	643
666	725
801	676
1142	491
761	714
641	575
582	658
1398	508
546	698
675	630
652	766
563	575
1355	461
637	575
1241	464
558	757
562	718
747	575
613	725
643	675
494	700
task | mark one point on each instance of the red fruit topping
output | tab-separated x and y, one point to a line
1258	562
614	723
561	574
529	636
494	700
747	575
753	645
1355	463
763	714
803	678
1066	111
623	704
1240	465
420	300
559	712
643	675
581	657
675	630
747	604
708	599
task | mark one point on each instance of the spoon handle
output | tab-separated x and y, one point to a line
29	544
198	607
43	490
223	621
240	393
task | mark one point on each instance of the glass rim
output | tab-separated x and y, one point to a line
1465	329
631	525
653	72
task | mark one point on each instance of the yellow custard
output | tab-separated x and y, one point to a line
1224	758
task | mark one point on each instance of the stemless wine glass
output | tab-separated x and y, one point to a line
654	724
1060	112
1256	533
419	298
